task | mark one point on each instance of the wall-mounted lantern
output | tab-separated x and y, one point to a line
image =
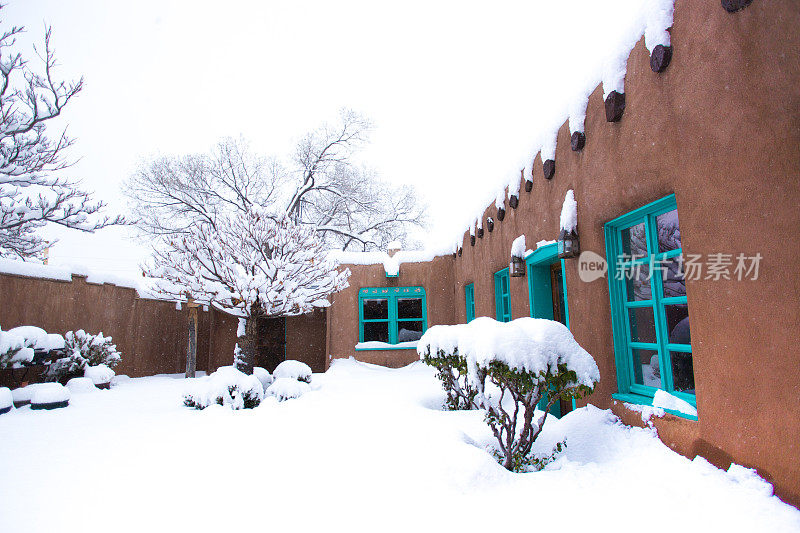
516	268
568	244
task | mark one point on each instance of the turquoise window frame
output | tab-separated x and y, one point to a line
502	297
391	294
629	390
469	298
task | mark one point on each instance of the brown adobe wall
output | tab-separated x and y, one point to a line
150	334
305	339
720	129
435	276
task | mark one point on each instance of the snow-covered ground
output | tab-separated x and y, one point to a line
367	450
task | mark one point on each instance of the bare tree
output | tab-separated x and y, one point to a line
345	201
31	196
249	263
171	194
323	187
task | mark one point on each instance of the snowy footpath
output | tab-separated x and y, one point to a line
369	449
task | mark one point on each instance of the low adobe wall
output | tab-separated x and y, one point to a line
151	335
435	276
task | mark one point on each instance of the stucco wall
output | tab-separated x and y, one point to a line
305	339
150	334
720	129
435	276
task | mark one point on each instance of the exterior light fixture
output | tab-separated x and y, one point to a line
516	268
568	244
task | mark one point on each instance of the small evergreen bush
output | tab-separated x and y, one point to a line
451	370
84	349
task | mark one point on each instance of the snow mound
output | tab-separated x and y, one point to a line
749	478
99	374
665	400
23	394
79	385
49	393
293	370
287	388
569	212
263	375
6	399
518	247
533	345
228	387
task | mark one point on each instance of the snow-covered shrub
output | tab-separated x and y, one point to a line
6	400
13	351
99	374
287	388
263	376
512	367
78	385
17	345
293	370
49	396
84	349
228	387
452	372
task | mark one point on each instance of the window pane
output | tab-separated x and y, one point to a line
672	276
409	308
376	308
669	233
682	372
633	241
637	282
643	325
678	324
376	331
646	368
409	331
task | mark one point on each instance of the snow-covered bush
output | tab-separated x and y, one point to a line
228	387
287	388
49	396
17	345
98	374
78	385
293	370
263	375
13	351
511	367
451	370
84	349
6	400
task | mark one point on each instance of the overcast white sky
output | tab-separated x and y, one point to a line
459	91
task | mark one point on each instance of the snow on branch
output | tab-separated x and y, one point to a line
31	195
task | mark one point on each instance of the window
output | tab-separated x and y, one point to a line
650	315
502	301
469	296
391	315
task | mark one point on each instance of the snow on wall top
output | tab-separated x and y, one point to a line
390	264
65	273
648	18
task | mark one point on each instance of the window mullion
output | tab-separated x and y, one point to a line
393	325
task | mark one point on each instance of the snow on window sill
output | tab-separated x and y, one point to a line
637	399
376	345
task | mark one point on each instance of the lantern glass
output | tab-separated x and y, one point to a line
516	268
568	244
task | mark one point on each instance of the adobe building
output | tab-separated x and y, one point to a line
692	174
